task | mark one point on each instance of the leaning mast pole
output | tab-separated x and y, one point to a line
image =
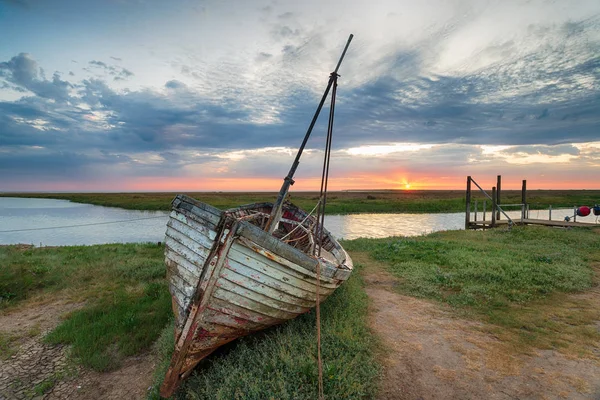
289	179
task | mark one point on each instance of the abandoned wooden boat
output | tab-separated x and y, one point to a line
238	271
228	277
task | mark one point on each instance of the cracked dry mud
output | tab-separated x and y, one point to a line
430	354
39	370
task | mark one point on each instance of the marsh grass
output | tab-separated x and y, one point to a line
341	202
127	302
118	326
530	284
81	271
281	363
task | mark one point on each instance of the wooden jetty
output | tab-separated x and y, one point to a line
497	210
528	221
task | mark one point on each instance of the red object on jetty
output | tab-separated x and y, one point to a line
583	211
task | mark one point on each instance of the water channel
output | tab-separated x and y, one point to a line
49	222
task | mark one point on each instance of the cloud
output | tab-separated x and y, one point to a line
449	77
118	73
174	84
23	71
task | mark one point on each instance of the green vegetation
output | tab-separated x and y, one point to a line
516	280
127	301
281	363
122	325
532	286
127	306
346	202
7	345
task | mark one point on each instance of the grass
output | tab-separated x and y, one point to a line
118	326
342	202
280	363
522	282
127	307
82	271
123	286
7	345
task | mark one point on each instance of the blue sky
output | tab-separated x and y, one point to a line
217	95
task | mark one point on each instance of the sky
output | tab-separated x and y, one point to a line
135	95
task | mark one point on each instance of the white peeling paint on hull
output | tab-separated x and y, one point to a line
238	286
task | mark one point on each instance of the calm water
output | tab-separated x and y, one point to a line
48	222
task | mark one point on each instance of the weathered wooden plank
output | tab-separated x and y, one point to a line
207	228
268	280
234	310
190	218
268	257
200	214
183	287
178	294
193	269
252	305
217	317
182	198
201	236
184	251
274	245
259	298
289	303
272	268
185	240
174	268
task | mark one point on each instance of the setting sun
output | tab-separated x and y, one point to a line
407	186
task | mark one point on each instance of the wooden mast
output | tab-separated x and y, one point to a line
289	179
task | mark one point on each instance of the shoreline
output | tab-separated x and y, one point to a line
338	202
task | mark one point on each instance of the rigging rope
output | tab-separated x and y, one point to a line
320	223
75	226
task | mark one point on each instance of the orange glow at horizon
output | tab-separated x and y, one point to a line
393	181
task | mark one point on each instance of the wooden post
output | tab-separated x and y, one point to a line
475	210
524	198
494	204
498	189
574	213
550	213
484	211
468	205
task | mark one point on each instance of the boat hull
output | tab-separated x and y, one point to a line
229	278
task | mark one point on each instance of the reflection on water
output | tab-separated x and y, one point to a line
30	220
384	225
33	221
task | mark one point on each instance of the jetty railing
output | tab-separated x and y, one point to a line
497	209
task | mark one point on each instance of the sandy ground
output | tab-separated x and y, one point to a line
429	354
36	364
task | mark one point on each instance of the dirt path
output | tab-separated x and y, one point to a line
43	371
429	354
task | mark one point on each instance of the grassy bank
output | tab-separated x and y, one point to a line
127	306
413	201
281	363
519	281
123	288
